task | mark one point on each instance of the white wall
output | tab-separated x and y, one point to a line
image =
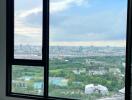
3	52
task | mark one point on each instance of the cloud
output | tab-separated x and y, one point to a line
27	31
95	26
60	5
27	34
24	29
55	7
30	12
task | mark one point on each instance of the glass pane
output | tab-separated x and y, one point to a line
28	29
27	80
87	49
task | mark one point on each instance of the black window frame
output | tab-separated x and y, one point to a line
10	60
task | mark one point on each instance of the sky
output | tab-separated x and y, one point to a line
73	22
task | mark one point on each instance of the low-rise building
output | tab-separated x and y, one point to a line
91	88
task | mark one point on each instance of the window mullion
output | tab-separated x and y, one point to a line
45	52
27	62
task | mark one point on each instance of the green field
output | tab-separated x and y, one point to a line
75	73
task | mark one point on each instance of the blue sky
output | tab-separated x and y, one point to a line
72	21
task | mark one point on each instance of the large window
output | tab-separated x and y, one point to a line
69	49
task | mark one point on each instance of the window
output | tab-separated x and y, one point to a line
27	80
28	29
69	49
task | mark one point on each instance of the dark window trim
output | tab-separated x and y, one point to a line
128	52
45	53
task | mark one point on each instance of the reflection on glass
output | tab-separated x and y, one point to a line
28	29
27	80
87	49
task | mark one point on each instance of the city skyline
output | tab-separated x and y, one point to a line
91	43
